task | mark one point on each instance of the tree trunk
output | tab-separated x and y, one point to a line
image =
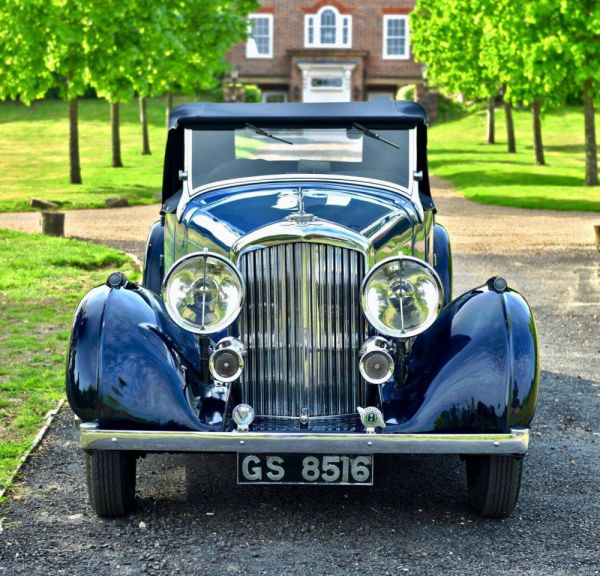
491	124
591	151
169	106
510	128
74	164
116	137
538	145
144	122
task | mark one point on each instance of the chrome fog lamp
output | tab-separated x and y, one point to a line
376	364
402	296
243	416
226	363
203	292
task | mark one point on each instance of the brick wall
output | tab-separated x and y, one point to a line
367	35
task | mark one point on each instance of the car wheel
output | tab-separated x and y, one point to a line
111	481
494	483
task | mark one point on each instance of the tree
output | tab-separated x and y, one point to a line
531	59
580	33
447	35
181	45
43	46
203	30
115	51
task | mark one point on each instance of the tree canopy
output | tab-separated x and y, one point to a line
533	52
117	47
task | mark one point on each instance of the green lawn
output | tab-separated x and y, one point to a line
487	173
34	153
41	281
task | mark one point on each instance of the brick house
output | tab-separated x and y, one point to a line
328	50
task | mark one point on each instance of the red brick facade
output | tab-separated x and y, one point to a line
358	70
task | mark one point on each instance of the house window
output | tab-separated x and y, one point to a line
395	37
274	96
328	29
260	36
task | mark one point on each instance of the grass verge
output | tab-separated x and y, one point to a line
41	281
487	173
34	152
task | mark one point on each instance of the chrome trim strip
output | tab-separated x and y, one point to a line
411	191
298	177
302	326
316	231
94	438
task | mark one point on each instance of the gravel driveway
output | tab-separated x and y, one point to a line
194	519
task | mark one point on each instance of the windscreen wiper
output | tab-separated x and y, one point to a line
372	134
262	132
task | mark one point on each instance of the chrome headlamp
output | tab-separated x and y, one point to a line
402	296
203	292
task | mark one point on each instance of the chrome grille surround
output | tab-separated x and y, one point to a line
303	327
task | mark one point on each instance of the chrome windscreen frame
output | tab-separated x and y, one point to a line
411	191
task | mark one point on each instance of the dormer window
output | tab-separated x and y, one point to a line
328	28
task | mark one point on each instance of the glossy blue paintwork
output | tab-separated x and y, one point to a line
129	363
475	369
217	219
443	259
464	368
153	261
129	366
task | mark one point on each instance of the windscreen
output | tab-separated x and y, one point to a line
256	151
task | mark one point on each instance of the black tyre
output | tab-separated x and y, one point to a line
494	483
111	482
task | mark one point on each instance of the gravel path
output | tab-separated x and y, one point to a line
193	519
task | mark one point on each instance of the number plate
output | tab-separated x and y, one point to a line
305	469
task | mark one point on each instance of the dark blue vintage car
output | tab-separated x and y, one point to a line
296	309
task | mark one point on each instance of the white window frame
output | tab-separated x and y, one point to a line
406	54
251	51
267	93
339	29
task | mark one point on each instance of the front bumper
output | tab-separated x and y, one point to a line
92	437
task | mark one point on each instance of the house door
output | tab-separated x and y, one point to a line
326	82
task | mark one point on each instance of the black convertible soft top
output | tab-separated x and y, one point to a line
375	114
211	116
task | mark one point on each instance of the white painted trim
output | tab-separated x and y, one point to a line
251	51
386	19
339	26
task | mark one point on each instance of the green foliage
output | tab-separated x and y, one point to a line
406	92
116	46
448	36
485	173
530	49
194	36
580	33
41	281
252	93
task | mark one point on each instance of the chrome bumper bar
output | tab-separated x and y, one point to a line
94	438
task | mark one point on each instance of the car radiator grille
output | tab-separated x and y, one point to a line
303	327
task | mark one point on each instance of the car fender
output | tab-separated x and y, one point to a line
154	258
442	259
128	363
475	369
